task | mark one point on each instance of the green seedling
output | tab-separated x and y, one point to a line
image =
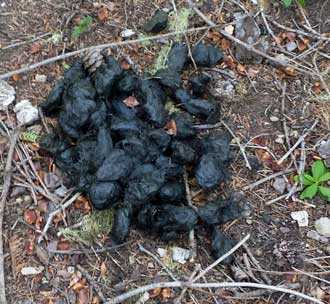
288	3
315	182
82	27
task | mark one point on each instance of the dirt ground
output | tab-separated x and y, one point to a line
252	106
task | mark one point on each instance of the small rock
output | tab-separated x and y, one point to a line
27	199
26	113
249	221
279	140
291	46
238	273
61	191
322	226
229	29
151	265
41	78
180	255
279	185
7	94
324	149
274	118
285	230
161	252
71	269
301	217
127	33
314	235
157	23
19	200
32	270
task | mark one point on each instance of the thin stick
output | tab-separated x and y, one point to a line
256	263
92	282
192	239
301	138
169	272
267	178
143	289
248	47
101	46
4	194
52	215
25	42
184	290
219	260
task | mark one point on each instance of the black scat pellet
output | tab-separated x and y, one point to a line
157	23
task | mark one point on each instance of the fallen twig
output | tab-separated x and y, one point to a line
169	272
52	215
267	178
95	286
101	47
4	194
301	138
143	289
25	42
248	47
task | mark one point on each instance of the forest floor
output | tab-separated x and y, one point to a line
268	106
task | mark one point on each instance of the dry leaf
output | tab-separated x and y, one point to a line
131	102
155	293
125	65
266	158
229	61
103	13
316	88
82	203
96	300
29	246
58	218
302	44
30	216
225	44
79	285
241	69
291	36
291	72
166	293
42	206
83	297
104	270
35	48
16	77
40	222
63	245
171	128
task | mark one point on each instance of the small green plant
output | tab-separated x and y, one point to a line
288	3
82	27
315	182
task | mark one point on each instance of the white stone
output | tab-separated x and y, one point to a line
41	78
274	118
7	94
291	46
229	29
301	217
322	226
314	235
127	33
279	184
180	255
161	252
26	113
32	270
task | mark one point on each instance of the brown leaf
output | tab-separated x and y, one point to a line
225	44
171	128
104	270
63	245
131	102
302	44
229	61
291	72
291	36
316	88
103	13
125	65
83	297
35	48
241	69
155	293
166	293
30	216
266	158
81	284
58	218
82	203
42	206
16	77
96	300
29	246
40	222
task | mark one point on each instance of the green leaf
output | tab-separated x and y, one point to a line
76	32
86	21
325	191
301	2
318	169
325	177
287	3
308	180
309	192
